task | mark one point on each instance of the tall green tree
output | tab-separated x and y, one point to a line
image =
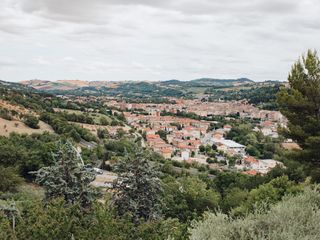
300	104
68	177
138	188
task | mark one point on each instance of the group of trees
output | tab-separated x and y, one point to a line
62	126
77	117
261	96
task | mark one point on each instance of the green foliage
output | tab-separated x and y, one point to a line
137	188
61	126
296	217
188	197
64	222
262	96
102	133
31	121
68	177
27	152
162	134
77	117
9	179
301	103
5	114
267	194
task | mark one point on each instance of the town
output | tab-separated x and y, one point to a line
192	140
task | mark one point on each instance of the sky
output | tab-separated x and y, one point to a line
155	39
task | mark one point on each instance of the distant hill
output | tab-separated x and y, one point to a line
209	82
15	86
144	89
75	84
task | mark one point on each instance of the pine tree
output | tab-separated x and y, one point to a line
301	105
69	177
138	188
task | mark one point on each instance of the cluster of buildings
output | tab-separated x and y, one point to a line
204	109
180	136
245	163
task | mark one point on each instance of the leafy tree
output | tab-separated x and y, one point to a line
31	121
138	188
162	134
188	197
300	104
234	198
9	179
102	133
68	177
27	152
267	194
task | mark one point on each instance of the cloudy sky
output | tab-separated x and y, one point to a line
154	39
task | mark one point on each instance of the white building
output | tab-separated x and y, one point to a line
229	146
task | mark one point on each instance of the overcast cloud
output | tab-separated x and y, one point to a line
154	39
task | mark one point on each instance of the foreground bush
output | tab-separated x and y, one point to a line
295	217
64	222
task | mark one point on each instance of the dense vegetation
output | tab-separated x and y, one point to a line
296	217
262	96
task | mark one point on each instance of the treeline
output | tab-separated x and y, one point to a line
61	126
26	153
77	117
264	96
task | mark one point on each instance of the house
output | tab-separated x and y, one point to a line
166	152
230	146
261	166
185	155
227	127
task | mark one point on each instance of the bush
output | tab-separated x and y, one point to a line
9	179
31	121
296	217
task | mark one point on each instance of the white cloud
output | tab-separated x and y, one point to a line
147	39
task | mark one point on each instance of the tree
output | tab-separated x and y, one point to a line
31	121
162	134
188	197
68	177
300	104
102	133
9	179
138	188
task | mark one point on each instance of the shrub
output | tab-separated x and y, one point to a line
296	217
31	121
9	179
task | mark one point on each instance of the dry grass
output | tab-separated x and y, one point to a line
7	105
93	128
7	127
